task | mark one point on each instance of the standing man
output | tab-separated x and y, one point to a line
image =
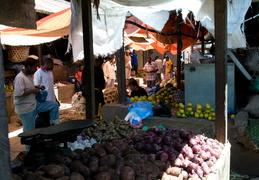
109	70
127	64
25	102
44	77
150	68
159	64
168	69
134	62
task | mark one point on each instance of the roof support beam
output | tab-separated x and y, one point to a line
220	11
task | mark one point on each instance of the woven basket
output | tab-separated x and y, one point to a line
80	112
18	53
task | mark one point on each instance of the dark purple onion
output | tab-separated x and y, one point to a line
162	156
172	156
152	156
149	139
138	146
158	140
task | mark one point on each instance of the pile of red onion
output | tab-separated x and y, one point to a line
187	154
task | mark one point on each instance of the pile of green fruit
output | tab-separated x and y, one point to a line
165	94
199	112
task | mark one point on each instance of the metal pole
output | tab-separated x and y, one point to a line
88	72
5	168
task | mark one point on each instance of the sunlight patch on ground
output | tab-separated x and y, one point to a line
15	133
65	106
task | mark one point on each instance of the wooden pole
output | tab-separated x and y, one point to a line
220	12
88	71
202	41
39	54
121	74
179	47
5	168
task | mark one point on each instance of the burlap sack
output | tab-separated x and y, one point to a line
253	106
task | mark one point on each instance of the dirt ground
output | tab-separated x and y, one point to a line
238	154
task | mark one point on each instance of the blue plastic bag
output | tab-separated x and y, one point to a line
42	95
142	108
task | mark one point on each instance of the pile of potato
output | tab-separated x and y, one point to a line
106	161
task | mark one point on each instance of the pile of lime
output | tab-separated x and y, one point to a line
198	111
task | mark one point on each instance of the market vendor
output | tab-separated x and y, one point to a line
26	105
135	89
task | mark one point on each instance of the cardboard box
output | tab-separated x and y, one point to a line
64	93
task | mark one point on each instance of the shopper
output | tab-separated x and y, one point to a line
44	77
168	69
134	62
25	102
109	70
127	64
159	64
99	83
151	69
78	77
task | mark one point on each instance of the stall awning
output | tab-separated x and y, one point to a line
107	31
48	29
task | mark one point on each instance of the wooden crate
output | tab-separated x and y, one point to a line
110	95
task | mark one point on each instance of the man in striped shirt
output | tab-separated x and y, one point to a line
151	72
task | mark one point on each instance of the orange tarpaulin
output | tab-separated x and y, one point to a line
54	25
165	41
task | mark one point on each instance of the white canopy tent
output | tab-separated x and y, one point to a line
107	31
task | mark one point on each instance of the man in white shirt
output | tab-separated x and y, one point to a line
44	77
109	71
25	102
159	63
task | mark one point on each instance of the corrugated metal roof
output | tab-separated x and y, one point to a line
50	6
